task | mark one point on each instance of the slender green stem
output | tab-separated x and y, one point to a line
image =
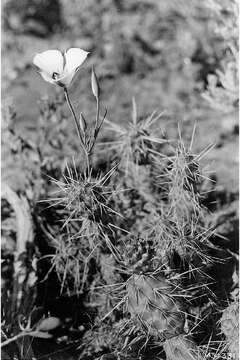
96	130
78	129
97	114
96	127
74	116
88	164
14	338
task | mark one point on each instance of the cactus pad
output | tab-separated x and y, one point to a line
152	301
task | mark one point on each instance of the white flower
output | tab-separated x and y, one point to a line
59	68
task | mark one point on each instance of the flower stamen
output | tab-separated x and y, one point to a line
55	76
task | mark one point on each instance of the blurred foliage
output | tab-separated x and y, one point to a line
36	159
37	17
222	90
133	36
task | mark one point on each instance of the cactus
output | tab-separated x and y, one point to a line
152	302
230	328
181	348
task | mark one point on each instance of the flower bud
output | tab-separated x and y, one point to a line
82	123
95	84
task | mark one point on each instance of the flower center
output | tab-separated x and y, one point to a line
55	75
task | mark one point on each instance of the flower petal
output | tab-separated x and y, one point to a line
74	58
47	77
66	79
49	61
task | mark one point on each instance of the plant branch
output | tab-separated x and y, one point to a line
14	338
